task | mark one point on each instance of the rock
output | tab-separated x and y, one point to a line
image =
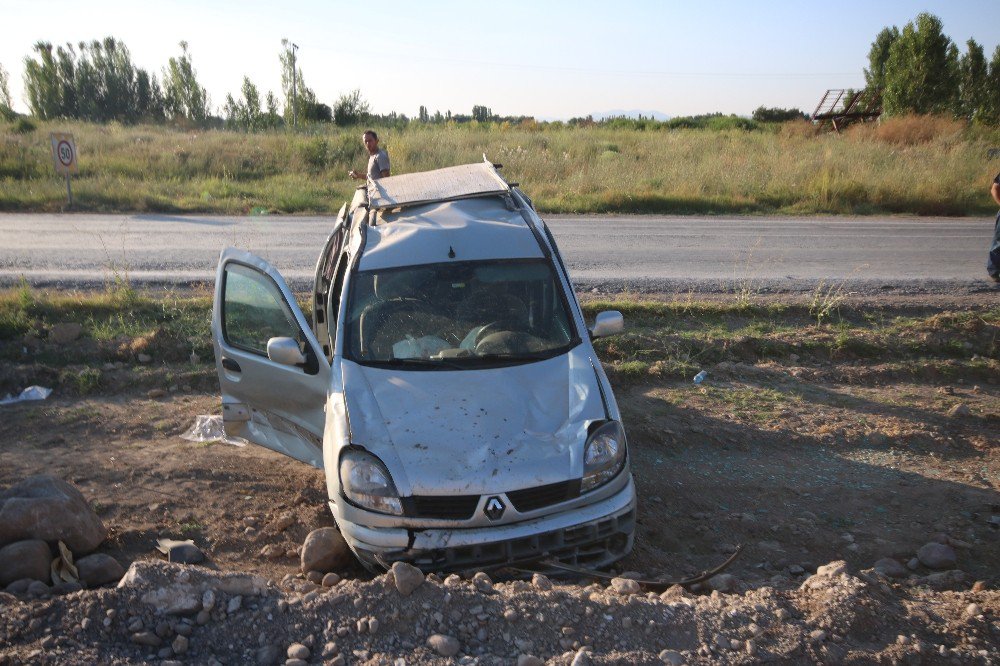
147	638
29	559
482	582
625	586
64	333
972	610
99	569
180	645
47	508
961	409
582	658
913	564
298	651
330	579
446	646
796	570
19	586
314	577
173	600
832	569
156	393
892	568
283	522
234	605
944	580
541	581
208	600
937	556
817	636
37	588
672	657
143	358
674	592
181	552
407	577
272	551
723	583
979	586
325	550
529	660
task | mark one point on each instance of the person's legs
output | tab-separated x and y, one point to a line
993	260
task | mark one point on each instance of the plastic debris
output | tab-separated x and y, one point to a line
30	393
700	377
208	428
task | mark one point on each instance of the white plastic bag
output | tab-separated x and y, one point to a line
208	428
30	393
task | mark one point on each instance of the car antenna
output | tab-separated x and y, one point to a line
451	252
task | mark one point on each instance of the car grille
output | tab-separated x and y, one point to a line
441	507
530	499
595	545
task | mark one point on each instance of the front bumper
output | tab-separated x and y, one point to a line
595	535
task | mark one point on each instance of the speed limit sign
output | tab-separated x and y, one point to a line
64	153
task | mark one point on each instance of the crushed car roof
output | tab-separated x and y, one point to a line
457	182
471	229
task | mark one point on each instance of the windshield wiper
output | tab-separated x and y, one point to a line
419	362
534	356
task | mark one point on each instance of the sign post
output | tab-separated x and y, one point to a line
64	155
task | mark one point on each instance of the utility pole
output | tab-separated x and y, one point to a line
295	94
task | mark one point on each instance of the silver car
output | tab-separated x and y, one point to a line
446	384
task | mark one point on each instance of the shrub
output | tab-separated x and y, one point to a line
23	125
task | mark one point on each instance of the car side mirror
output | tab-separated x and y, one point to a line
607	323
285	351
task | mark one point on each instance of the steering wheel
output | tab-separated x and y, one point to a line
488	329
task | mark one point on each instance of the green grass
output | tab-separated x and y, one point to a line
155	168
666	339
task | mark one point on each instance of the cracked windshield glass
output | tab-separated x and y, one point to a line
457	314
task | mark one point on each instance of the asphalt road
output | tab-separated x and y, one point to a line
648	252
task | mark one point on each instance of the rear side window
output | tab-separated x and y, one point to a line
253	310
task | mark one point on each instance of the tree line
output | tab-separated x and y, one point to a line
919	69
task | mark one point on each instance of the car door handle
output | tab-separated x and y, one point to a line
230	364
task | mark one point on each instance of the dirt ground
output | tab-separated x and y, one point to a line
800	463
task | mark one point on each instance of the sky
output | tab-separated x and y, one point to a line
549	59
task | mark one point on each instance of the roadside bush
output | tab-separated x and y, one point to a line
23	125
909	130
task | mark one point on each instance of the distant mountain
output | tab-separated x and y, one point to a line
632	113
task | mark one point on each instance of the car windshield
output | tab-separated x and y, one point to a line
457	315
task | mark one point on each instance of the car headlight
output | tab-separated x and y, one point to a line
604	455
366	482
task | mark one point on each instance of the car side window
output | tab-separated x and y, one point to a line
254	310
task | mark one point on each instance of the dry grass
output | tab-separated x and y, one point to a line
901	167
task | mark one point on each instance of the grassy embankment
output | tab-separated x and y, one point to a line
916	166
663	340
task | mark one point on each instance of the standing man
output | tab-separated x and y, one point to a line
993	261
378	159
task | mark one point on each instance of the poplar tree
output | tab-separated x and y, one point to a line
878	56
183	97
921	73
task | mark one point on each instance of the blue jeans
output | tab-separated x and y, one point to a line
993	261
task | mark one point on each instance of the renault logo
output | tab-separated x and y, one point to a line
494	508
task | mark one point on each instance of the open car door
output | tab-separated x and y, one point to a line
273	374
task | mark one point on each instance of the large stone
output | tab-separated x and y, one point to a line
325	550
446	646
892	568
937	556
99	569
23	560
407	577
47	508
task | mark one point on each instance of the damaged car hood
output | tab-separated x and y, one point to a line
476	431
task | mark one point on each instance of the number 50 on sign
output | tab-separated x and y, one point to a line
64	153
